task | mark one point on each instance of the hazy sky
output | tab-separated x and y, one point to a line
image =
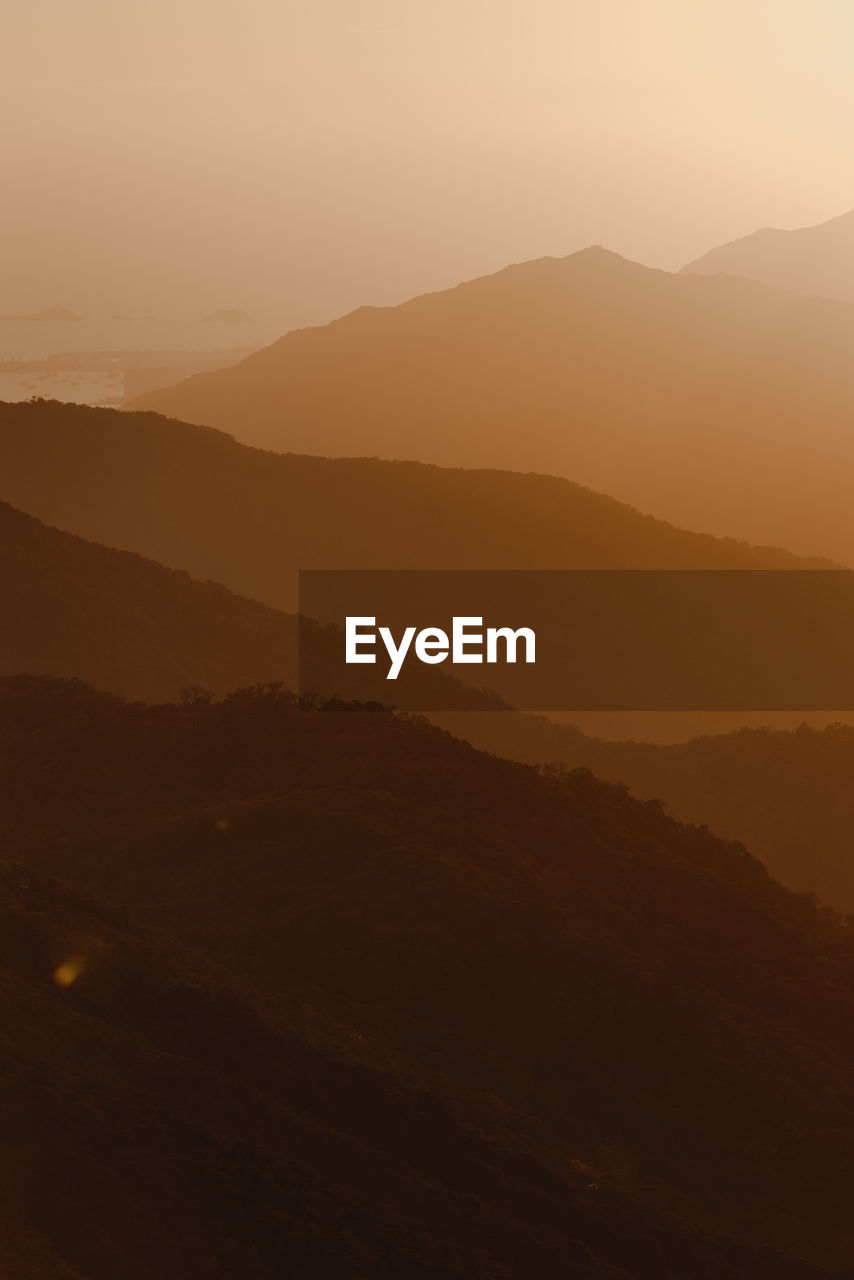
300	157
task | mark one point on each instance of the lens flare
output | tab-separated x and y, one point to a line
69	971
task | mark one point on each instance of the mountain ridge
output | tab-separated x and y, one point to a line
781	792
717	402
193	498
127	623
816	260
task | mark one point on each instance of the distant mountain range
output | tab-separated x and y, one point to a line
74	608
311	989
717	403
54	315
194	499
62	314
329	993
810	260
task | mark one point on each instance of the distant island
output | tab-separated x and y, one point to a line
53	314
228	317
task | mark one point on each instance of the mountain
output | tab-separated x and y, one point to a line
78	609
160	1120
194	499
569	1036
717	403
810	260
787	794
55	315
74	608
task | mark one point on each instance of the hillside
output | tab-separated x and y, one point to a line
557	962
74	608
78	609
789	795
158	1122
194	499
714	402
809	260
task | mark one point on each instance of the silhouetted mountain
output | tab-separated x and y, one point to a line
54	314
194	499
787	795
716	403
75	608
80	609
580	1008
812	260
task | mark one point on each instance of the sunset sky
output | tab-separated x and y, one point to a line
300	157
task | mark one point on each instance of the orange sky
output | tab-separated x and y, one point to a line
300	157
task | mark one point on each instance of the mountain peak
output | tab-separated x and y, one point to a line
592	263
597	253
